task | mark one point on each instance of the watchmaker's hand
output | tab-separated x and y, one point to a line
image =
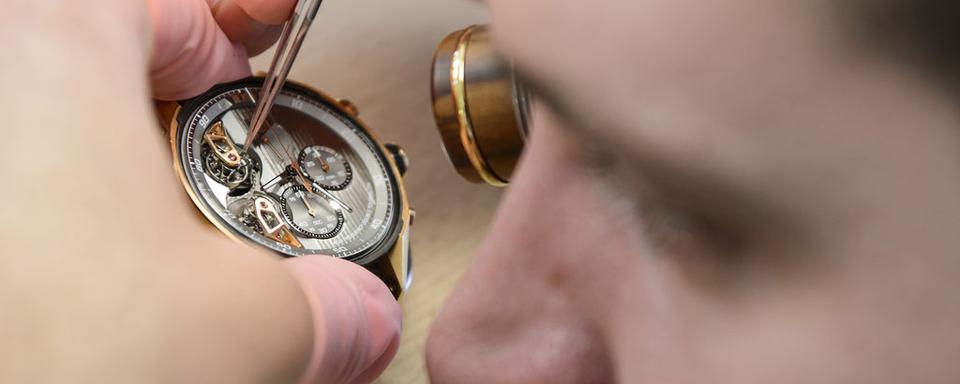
199	43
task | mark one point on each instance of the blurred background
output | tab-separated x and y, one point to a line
378	54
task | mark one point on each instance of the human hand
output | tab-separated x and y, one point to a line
199	43
131	288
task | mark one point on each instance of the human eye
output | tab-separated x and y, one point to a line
674	224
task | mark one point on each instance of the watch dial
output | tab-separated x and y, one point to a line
313	181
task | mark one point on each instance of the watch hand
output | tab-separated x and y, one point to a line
334	199
284	153
315	189
310	210
273	181
324	165
300	175
296	168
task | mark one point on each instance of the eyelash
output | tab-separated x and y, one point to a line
669	228
609	171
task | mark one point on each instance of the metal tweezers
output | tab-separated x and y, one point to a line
287	51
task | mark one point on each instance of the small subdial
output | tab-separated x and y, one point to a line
311	215
326	167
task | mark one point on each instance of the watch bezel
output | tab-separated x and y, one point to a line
371	258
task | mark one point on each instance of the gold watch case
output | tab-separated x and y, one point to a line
394	267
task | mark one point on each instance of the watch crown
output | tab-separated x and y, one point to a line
348	106
399	157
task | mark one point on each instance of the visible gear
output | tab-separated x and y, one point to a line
249	218
241	189
235	178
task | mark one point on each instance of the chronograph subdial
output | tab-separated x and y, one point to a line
326	167
310	215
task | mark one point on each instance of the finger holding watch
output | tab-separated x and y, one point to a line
200	43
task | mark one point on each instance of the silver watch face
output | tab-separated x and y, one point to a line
313	182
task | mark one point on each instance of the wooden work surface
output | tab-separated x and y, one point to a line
377	53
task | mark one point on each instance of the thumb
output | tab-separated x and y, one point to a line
356	320
190	51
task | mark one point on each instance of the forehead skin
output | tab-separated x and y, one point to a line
637	64
720	92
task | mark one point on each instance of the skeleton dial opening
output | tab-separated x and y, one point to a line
313	182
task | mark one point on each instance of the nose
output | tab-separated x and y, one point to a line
516	317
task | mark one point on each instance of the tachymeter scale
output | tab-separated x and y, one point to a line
303	122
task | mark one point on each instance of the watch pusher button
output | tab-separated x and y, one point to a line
413	216
399	157
349	106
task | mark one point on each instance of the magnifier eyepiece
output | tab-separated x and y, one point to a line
480	108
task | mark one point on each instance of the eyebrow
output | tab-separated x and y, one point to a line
548	95
571	119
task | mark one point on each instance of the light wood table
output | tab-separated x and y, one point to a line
378	55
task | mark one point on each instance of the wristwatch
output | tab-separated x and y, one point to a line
316	180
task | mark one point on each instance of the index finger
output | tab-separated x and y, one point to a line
270	12
255	24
